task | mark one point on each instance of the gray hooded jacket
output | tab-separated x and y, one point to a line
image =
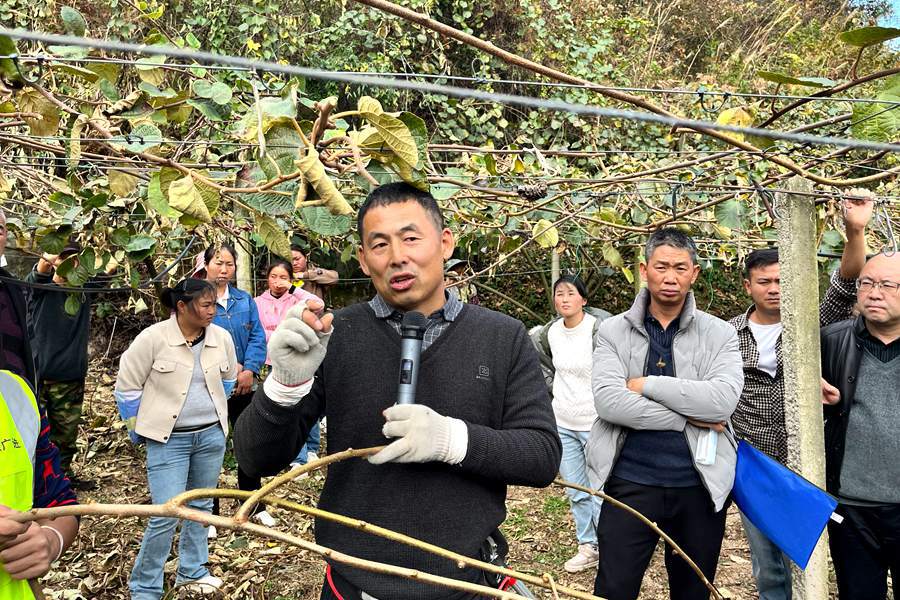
710	376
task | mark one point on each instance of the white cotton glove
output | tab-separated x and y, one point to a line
296	350
425	436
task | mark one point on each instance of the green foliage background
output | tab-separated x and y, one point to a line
629	43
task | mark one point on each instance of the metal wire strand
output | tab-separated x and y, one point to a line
701	93
457	92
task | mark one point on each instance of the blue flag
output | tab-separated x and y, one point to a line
787	508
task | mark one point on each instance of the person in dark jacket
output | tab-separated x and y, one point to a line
15	346
482	418
60	343
31	476
861	358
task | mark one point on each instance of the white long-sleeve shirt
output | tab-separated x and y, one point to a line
573	398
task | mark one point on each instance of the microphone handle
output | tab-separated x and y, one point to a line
410	352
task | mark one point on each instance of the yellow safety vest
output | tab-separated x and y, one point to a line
20	426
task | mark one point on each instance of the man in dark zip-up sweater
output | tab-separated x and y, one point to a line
482	418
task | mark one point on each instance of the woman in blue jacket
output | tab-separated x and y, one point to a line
236	312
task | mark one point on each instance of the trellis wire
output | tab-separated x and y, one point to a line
700	92
523	151
386	82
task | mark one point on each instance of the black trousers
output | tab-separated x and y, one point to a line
863	548
626	544
236	405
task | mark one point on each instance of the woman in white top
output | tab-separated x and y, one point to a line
566	346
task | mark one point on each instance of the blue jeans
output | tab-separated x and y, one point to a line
771	566
312	445
188	461
573	468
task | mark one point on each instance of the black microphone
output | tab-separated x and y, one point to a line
412	330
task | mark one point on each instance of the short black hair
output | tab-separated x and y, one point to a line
298	248
675	238
759	258
213	248
395	193
575	280
187	290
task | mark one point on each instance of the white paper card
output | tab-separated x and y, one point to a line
706	447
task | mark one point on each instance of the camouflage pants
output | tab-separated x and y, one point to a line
63	400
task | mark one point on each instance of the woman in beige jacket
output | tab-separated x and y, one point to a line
172	389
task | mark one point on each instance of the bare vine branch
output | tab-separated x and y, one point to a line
519	61
178	507
829	92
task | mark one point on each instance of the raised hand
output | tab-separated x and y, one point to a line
298	346
858	206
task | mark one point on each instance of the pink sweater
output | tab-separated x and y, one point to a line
272	309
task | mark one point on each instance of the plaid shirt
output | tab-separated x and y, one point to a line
759	417
438	321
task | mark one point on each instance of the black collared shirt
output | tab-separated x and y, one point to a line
883	352
659	356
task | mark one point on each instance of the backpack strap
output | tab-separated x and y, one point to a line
545	339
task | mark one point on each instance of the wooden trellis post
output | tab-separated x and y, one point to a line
243	260
554	269
802	363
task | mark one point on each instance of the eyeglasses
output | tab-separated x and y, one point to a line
867	285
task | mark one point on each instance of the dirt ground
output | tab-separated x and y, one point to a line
539	528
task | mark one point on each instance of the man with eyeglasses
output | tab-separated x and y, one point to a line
861	358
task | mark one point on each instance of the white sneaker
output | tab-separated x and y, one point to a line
212	534
587	557
265	519
207	584
311	457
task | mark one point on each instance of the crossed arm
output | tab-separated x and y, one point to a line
666	403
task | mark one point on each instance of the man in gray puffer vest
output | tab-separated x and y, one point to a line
666	378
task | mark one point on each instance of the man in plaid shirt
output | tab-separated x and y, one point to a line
759	418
